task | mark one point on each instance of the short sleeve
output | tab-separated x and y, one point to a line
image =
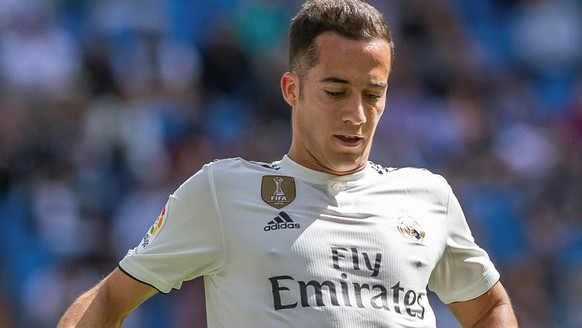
465	270
185	241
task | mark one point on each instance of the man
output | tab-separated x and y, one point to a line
322	238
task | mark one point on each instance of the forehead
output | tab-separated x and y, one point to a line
338	53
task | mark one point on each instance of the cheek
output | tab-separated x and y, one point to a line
312	111
377	114
310	122
304	120
313	125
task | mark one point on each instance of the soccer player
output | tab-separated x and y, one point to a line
323	237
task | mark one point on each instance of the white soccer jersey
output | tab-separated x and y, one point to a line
280	245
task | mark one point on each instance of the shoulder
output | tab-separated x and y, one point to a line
411	177
239	163
226	172
238	168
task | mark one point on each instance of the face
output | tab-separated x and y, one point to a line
337	108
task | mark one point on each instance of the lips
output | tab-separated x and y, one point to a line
350	140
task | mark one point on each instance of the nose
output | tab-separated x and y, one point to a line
354	111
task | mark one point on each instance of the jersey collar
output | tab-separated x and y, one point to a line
297	170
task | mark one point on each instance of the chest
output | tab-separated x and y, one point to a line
373	234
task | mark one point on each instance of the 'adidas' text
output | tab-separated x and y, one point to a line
283	221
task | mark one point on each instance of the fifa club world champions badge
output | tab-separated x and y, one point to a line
278	191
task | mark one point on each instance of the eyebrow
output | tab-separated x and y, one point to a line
333	79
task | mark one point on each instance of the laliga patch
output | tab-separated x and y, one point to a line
278	191
410	229
154	229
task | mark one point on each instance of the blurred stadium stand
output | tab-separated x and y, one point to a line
107	106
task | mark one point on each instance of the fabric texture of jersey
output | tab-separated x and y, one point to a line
280	245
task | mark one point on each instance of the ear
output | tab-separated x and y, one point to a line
290	88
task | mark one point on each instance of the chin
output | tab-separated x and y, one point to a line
348	167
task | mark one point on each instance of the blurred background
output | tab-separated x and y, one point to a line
107	106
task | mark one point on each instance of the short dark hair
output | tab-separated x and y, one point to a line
354	19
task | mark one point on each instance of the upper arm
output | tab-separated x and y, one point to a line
124	293
492	309
108	303
465	270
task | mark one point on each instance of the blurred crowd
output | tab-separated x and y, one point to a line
107	106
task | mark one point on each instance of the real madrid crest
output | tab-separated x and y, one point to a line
410	229
278	191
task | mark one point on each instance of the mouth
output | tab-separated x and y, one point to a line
349	139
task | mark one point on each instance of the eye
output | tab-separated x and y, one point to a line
373	97
334	94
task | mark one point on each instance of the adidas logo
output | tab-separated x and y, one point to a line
283	221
